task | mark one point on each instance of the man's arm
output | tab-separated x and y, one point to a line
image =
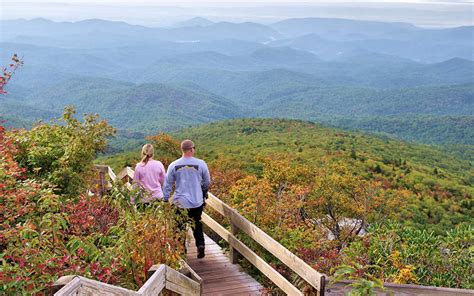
206	178
169	180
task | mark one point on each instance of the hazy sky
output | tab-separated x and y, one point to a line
428	13
173	2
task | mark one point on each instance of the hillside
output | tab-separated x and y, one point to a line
439	182
424	129
143	108
313	102
221	94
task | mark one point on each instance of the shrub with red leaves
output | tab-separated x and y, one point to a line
89	215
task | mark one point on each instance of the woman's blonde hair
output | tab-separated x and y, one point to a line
147	153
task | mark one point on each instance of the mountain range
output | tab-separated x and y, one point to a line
341	72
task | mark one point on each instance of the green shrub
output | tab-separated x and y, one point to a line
63	152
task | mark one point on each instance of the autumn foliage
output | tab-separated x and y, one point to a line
48	229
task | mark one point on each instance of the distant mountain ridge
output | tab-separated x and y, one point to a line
331	70
324	37
336	28
195	21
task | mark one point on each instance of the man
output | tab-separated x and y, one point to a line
191	178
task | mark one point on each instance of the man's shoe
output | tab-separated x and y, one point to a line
200	250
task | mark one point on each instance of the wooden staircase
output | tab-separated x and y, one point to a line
219	276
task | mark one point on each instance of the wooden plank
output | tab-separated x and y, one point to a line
230	282
222	271
111	173
122	174
253	258
156	283
126	173
96	287
83	286
170	286
217	275
229	286
152	270
229	278
211	260
209	254
205	273
193	275
249	292
70	288
59	283
187	285
213	265
88	290
308	273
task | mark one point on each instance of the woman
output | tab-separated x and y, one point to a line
150	175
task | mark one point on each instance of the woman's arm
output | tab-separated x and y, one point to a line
162	174
136	176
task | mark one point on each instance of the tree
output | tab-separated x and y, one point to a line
344	203
167	147
8	72
63	152
273	201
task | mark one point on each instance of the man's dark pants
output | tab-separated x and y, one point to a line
194	214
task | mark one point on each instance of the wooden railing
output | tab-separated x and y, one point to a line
161	278
238	222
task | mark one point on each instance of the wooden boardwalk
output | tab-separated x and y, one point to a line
219	275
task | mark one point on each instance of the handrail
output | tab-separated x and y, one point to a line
162	277
309	274
252	257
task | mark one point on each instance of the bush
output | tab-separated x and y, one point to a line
45	235
62	152
409	255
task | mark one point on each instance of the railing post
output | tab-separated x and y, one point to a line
102	183
233	254
322	286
